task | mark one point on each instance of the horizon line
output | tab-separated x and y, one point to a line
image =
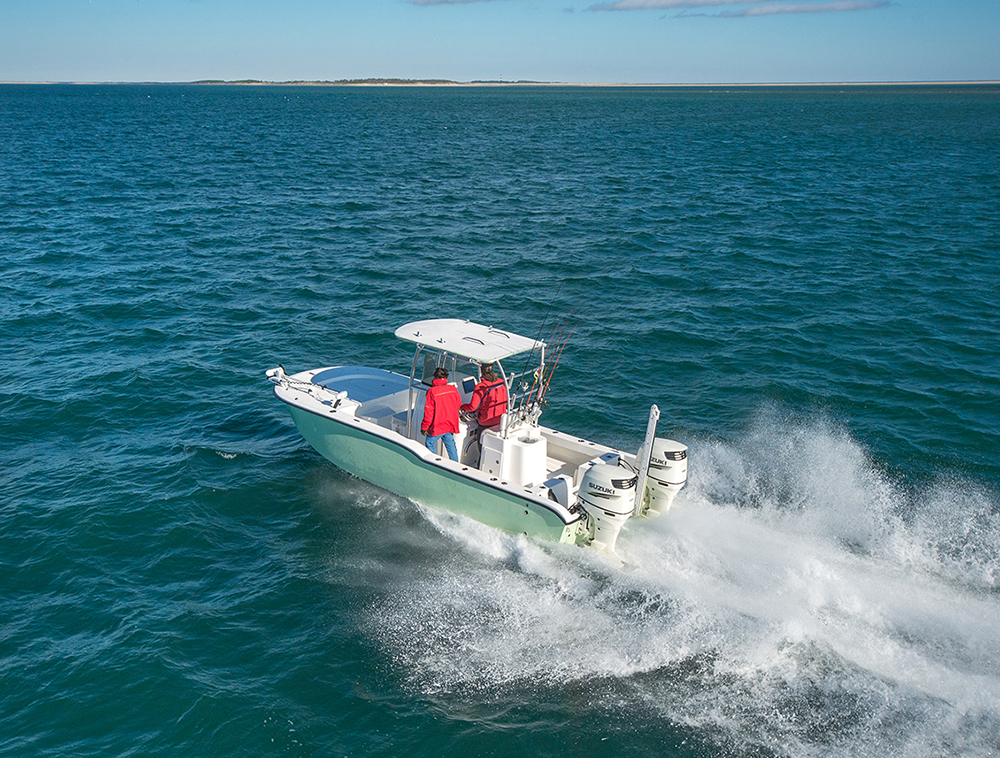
400	82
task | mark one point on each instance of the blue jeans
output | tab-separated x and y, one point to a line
449	444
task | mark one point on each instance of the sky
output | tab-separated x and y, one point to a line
573	41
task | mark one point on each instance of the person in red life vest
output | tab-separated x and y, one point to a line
489	399
441	414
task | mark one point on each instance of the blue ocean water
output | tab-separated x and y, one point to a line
805	280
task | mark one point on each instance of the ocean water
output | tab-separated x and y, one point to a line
805	280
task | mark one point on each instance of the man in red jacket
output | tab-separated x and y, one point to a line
489	399
441	414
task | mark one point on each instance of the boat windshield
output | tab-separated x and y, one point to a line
458	368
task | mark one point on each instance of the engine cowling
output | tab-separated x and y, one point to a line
666	476
607	494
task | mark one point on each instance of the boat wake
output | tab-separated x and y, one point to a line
795	600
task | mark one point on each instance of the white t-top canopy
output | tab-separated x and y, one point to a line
478	343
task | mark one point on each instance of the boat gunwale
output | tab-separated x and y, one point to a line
425	456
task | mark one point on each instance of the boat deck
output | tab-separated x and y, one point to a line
384	396
363	384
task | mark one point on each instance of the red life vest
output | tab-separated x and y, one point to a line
489	400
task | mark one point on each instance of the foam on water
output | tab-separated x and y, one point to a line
788	602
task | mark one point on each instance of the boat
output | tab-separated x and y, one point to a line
520	476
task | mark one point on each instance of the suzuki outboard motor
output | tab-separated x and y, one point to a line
668	468
607	494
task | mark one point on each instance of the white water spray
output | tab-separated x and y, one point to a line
794	599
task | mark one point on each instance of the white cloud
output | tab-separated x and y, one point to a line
756	9
447	2
834	7
643	5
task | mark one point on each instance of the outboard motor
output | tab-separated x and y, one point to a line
667	473
607	494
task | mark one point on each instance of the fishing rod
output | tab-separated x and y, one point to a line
555	364
559	340
557	334
532	407
525	399
538	339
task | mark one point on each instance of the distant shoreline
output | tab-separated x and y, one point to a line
516	83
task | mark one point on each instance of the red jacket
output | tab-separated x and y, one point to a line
489	400
441	409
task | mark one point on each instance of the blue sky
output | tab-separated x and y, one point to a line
603	41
